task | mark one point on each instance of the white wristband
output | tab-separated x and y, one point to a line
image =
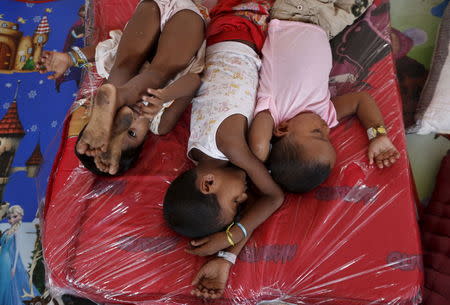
227	256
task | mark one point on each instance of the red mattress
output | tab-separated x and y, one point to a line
354	240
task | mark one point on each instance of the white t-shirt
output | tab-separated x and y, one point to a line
229	87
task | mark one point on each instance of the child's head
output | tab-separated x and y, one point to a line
302	156
132	141
200	202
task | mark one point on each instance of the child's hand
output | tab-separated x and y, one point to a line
150	107
212	278
151	104
56	62
383	152
160	94
209	245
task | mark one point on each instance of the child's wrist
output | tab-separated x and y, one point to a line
376	131
227	256
70	59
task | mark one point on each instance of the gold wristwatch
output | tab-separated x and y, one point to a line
373	132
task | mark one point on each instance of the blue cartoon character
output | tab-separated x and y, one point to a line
14	279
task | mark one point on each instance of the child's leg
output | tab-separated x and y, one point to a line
180	40
137	40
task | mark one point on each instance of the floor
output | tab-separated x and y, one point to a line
425	153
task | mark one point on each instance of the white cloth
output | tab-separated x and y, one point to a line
105	52
229	87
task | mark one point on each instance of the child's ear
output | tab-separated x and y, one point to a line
281	130
207	185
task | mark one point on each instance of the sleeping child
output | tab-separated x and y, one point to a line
294	97
167	34
295	109
205	199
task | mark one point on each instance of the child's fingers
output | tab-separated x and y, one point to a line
154	92
196	251
371	155
397	154
199	242
196	292
217	294
379	161
151	100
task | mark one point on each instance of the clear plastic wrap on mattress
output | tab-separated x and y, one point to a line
353	240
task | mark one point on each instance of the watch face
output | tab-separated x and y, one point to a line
381	130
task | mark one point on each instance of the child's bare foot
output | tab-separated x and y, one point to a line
56	62
96	136
108	162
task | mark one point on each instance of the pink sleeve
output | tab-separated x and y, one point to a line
264	93
331	117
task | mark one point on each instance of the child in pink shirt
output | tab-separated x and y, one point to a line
294	105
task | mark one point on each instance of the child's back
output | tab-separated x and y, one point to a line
295	71
294	105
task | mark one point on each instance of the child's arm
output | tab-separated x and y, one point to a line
381	149
271	195
214	275
59	62
181	91
260	134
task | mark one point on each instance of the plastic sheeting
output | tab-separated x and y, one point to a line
353	240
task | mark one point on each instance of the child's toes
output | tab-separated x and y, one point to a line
81	147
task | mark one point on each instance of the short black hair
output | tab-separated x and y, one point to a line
127	160
291	169
188	211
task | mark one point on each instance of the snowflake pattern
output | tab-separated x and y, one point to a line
32	94
33	128
37	19
6	105
30	4
54	124
8	85
41	82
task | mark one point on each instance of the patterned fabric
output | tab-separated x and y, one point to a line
229	87
239	20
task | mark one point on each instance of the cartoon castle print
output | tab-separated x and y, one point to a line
18	52
11	133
